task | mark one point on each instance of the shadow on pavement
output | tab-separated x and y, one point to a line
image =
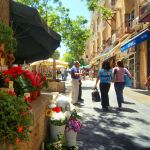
113	110
107	133
145	92
140	120
126	102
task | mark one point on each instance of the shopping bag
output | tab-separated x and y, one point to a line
95	95
127	80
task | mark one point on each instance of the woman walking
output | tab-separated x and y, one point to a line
119	82
105	76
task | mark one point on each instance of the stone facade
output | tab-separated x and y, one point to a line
122	26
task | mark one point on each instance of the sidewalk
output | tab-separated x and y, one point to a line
125	130
142	96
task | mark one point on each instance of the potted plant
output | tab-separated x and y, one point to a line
15	119
8	43
21	81
72	127
58	121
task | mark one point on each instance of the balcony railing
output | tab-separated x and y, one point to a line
145	12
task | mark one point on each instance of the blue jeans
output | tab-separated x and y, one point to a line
119	86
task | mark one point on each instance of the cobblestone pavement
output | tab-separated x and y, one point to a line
125	130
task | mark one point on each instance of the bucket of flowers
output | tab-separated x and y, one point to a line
73	126
58	121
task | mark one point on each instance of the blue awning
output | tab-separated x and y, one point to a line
145	35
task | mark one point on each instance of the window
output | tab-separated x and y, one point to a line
130	18
113	2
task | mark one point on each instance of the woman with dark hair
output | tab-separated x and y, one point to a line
105	76
119	82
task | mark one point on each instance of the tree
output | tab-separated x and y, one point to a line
94	5
74	33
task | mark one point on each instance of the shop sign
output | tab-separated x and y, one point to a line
136	40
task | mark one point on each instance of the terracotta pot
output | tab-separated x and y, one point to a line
34	95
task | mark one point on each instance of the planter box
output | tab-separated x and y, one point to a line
39	130
56	86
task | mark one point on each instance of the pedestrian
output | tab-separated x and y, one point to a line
105	77
62	70
147	83
119	83
65	74
75	75
80	99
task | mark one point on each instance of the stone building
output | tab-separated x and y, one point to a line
123	36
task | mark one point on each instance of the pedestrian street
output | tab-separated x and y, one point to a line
128	129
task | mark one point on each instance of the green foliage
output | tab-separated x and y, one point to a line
74	33
59	144
59	122
7	37
14	114
94	5
56	54
22	85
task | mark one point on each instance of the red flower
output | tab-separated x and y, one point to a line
27	99
17	141
30	109
7	80
24	113
12	93
57	109
20	129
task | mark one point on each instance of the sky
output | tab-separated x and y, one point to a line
77	8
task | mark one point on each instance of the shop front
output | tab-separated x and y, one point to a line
137	57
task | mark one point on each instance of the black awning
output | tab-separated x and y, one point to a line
35	39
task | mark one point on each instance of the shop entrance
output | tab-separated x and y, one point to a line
148	58
132	67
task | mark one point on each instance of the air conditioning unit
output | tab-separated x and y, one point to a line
135	24
113	38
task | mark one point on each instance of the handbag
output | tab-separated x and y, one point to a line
127	80
95	95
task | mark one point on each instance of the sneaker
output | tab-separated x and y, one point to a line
81	100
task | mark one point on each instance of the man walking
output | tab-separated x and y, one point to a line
75	75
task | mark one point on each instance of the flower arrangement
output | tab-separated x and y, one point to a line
74	122
24	80
15	118
57	117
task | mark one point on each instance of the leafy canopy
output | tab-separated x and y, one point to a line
74	33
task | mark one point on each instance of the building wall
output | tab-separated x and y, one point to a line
4	11
143	63
119	24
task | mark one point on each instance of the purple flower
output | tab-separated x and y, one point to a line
74	124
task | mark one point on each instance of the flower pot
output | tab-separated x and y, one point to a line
34	95
38	92
71	138
55	131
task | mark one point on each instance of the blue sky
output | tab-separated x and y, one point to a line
77	8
